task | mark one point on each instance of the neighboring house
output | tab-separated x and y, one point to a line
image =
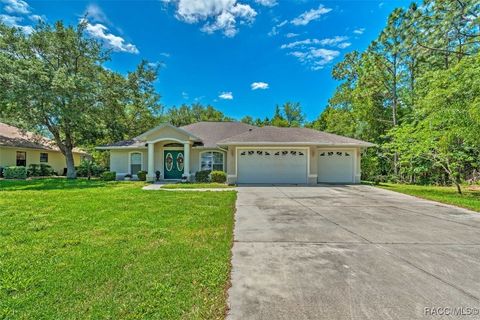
20	148
247	153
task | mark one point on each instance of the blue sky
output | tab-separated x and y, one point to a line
242	56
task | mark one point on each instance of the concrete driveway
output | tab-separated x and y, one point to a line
351	252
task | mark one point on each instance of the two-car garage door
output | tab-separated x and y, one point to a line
287	165
290	165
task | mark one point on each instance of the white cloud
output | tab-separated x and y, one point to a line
95	13
226	95
337	41
16	6
309	16
37	18
259	85
291	35
267	3
275	28
13	21
185	95
314	58
117	43
344	45
312	52
218	15
359	31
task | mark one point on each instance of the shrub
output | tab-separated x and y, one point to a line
1	172
218	176
46	170
88	165
39	170
33	170
202	176
15	172
109	176
142	175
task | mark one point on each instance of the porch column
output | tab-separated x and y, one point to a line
151	160
186	159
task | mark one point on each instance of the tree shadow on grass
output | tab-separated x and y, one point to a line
51	184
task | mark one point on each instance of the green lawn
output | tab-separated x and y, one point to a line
98	250
470	198
196	186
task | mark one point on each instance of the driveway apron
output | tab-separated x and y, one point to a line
351	252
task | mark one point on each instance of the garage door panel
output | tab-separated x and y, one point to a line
336	166
272	166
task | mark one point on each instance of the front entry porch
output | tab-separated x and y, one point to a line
170	157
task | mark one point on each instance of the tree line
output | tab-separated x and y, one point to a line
415	92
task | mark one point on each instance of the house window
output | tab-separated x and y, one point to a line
21	159
211	160
135	162
43	157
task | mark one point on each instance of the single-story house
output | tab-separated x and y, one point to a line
20	148
248	154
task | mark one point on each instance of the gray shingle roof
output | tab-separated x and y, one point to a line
212	132
274	135
11	136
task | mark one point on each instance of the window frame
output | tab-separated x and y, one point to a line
25	158
213	163
130	161
44	154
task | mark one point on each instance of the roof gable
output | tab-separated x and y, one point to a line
166	131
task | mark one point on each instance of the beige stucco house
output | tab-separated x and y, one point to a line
20	148
248	154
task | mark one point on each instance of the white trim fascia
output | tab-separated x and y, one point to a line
120	148
40	150
167	139
284	147
266	143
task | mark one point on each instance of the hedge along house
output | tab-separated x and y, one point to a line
248	154
21	148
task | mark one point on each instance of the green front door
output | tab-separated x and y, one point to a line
173	164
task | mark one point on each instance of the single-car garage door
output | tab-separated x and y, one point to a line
272	165
335	166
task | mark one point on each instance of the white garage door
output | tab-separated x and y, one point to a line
272	166
335	166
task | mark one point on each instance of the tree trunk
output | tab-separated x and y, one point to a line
71	172
459	189
394	109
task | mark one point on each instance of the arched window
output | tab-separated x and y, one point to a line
212	160
135	162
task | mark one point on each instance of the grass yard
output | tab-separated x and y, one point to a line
97	250
196	186
470	198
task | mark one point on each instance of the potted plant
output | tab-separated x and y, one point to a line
128	177
157	175
184	179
